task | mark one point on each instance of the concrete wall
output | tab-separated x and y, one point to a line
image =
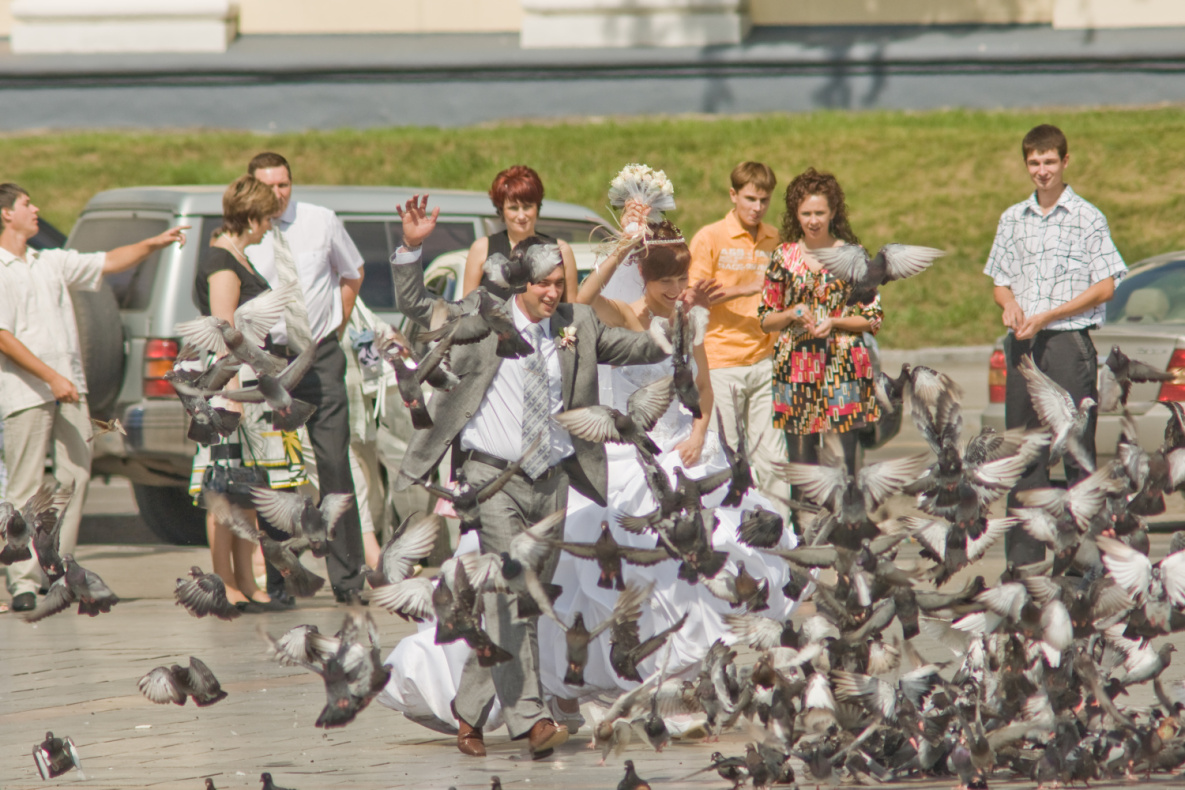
903	12
378	16
471	16
1112	13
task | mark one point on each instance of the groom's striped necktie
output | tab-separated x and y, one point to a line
536	406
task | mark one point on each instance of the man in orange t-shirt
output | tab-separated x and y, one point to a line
735	252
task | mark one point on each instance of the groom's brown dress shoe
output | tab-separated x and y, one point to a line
470	740
545	735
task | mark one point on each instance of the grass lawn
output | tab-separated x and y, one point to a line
934	178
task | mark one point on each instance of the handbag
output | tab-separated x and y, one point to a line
234	482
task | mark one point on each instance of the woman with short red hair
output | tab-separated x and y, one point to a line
517	195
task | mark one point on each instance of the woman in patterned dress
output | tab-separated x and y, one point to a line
823	378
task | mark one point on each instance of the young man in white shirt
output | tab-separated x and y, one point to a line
1054	267
42	385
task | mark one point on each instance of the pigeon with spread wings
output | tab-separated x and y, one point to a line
288	413
488	314
609	555
852	264
78	585
245	338
284	555
297	515
523	267
1057	411
646	405
176	684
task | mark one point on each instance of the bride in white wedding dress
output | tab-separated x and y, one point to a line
638	292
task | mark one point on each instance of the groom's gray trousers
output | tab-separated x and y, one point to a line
520	504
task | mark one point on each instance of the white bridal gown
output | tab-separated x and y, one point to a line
424	676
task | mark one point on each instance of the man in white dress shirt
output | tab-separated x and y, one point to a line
329	268
42	385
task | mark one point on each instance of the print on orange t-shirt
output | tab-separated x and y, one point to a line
725	250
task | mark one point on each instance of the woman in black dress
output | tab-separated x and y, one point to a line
225	280
517	195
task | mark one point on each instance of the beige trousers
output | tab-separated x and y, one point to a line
61	431
753	386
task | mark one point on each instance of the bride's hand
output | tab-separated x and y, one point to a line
690	450
701	294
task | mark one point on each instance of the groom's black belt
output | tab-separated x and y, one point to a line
502	463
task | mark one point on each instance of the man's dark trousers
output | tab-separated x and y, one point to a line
1069	358
324	386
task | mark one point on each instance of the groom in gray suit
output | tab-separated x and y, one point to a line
496	411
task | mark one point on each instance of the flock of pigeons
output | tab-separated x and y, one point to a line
1042	659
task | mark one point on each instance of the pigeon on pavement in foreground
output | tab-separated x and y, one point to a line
55	756
177	683
79	586
268	784
349	663
632	781
204	594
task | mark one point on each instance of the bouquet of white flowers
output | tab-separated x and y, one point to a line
645	185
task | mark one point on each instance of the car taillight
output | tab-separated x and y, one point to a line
997	377
159	356
1172	390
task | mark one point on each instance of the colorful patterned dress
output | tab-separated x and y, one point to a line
820	384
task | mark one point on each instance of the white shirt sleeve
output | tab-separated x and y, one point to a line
407	256
344	257
81	271
1001	258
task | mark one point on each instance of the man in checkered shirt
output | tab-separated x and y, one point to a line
1054	267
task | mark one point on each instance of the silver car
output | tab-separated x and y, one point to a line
126	329
1146	318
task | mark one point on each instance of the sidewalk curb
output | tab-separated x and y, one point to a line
892	358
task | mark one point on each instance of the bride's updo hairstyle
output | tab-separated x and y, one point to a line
664	254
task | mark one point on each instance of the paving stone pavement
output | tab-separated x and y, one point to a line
77	676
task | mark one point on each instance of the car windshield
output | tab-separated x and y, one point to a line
1150	296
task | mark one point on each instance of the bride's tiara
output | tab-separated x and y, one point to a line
676	240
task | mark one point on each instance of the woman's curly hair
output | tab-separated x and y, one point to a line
812	182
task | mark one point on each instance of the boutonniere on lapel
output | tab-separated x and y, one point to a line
567	337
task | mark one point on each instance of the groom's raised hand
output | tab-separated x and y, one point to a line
418	224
